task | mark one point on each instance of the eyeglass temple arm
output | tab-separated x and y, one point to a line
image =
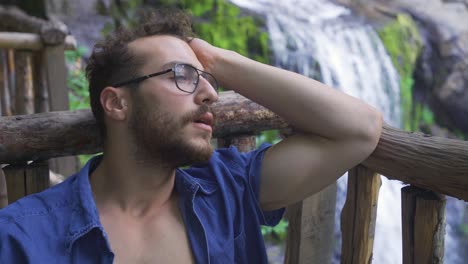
142	78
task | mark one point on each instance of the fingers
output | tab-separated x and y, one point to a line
204	51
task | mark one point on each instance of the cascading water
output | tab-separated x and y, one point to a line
324	41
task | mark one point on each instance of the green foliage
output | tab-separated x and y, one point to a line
404	44
268	136
76	79
464	229
277	233
423	114
460	134
216	21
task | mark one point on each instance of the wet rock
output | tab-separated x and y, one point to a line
441	75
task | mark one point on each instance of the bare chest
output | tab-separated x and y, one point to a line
161	241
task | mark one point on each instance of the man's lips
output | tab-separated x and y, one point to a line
205	119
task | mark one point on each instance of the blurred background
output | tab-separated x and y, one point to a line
408	58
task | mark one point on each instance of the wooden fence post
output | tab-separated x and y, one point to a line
4	89
41	103
423	224
359	215
3	190
24	83
311	228
15	181
25	179
10	59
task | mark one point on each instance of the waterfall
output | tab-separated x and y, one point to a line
326	42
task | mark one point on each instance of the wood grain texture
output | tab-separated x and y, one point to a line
433	163
15	181
36	177
56	75
293	242
3	190
359	215
5	99
24	83
41	93
423	222
15	20
29	41
311	226
25	179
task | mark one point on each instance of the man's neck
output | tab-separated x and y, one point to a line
124	185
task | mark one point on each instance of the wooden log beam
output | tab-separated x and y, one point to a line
15	20
359	215
432	163
423	223
29	41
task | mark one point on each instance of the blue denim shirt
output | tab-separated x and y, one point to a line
218	202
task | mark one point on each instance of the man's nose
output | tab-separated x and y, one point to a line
206	93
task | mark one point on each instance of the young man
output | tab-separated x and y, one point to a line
151	93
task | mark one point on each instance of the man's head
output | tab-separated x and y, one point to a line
112	60
162	121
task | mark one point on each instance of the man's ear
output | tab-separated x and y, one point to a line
114	103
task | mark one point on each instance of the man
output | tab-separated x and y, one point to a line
151	92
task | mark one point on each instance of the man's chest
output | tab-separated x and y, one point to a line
163	240
165	246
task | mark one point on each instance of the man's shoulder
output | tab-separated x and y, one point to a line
41	204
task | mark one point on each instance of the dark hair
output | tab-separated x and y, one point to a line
111	60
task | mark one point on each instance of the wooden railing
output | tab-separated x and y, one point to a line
434	166
33	71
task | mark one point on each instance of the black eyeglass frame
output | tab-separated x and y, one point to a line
172	69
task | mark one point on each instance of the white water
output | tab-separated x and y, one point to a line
322	40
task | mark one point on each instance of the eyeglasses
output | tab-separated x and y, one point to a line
186	78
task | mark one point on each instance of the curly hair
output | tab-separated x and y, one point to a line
111	60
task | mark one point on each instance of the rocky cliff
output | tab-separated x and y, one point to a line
441	73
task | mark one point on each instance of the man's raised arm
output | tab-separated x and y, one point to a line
338	131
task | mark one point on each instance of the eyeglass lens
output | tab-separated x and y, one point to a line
187	78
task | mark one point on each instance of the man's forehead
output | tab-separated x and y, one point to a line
164	51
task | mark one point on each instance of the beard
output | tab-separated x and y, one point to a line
157	136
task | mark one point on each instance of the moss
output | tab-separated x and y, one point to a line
403	42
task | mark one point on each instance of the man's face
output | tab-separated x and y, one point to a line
163	120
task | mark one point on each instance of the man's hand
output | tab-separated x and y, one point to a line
206	53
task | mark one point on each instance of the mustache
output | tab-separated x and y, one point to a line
194	115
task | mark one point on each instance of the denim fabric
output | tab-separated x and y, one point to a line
218	201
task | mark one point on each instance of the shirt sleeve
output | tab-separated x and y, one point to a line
252	162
